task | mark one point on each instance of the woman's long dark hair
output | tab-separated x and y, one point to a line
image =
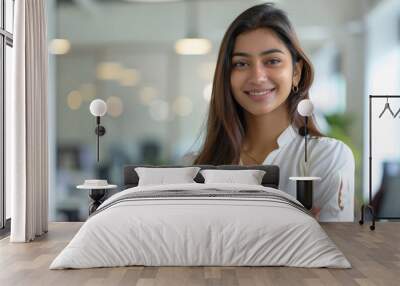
226	124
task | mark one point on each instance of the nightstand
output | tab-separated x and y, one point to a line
304	190
97	192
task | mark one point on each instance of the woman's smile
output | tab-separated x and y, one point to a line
260	94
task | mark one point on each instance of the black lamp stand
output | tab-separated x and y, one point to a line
304	188
100	131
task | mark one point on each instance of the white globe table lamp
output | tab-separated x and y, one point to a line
304	185
98	108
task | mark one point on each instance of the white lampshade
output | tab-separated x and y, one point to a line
305	107
98	107
193	46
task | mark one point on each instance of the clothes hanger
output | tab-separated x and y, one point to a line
387	106
398	111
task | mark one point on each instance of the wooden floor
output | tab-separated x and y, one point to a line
375	257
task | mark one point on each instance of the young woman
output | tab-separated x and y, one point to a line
261	75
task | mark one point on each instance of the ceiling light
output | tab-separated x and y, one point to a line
59	46
193	46
108	71
129	77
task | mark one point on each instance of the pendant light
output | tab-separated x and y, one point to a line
192	44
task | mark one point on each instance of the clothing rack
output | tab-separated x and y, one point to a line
369	206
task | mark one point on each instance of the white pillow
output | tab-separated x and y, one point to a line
248	177
163	176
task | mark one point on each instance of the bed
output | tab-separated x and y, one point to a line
201	224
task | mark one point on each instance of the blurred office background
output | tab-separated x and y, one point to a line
123	51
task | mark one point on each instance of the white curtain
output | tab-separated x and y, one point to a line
26	124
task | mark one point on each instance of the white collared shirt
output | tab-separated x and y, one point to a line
327	158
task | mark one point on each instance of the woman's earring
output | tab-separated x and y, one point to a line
295	89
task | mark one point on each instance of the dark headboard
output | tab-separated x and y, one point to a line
270	179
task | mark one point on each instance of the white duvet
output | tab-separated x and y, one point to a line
183	231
